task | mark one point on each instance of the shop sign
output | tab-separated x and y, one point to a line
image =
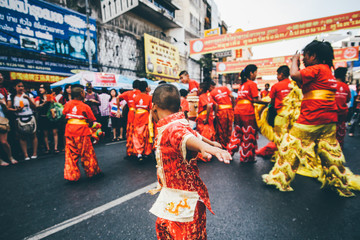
34	77
42	27
212	32
38	66
161	59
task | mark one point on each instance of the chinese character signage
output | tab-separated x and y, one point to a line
276	33
38	26
161	59
34	77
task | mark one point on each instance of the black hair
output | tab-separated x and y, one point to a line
104	90
267	84
161	82
212	83
340	73
245	74
167	97
57	90
66	95
142	86
76	90
204	86
183	72
183	93
111	97
13	90
46	88
322	50
136	84
285	70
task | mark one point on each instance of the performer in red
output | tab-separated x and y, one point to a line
129	97
205	119
142	145
77	134
245	127
224	114
314	133
278	92
342	97
193	85
181	205
185	108
265	92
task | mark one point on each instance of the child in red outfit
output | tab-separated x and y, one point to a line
181	205
77	134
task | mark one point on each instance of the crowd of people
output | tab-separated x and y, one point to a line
305	119
34	120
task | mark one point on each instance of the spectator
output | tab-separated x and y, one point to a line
4	133
115	118
104	110
3	90
58	93
67	95
92	99
43	102
22	105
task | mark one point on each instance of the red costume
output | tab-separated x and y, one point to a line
177	170
264	93
78	141
193	86
245	127
225	115
206	130
129	97
342	97
278	92
141	136
184	105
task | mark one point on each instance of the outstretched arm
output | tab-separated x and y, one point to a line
207	151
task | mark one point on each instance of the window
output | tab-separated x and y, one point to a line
195	23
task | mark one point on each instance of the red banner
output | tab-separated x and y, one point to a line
268	66
274	34
347	54
105	80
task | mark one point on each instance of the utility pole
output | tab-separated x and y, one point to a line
88	34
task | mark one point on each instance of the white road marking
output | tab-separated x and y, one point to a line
115	142
68	223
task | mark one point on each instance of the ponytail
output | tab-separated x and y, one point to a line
245	74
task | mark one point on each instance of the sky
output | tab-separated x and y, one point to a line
255	14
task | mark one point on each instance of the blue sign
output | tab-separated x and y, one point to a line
46	28
39	66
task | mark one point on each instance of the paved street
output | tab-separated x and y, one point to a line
35	197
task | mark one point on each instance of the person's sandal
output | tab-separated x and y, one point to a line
13	161
3	163
56	151
34	157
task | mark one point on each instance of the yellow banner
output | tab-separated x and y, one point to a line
34	77
211	32
161	59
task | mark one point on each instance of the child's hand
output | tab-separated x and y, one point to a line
221	155
216	144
